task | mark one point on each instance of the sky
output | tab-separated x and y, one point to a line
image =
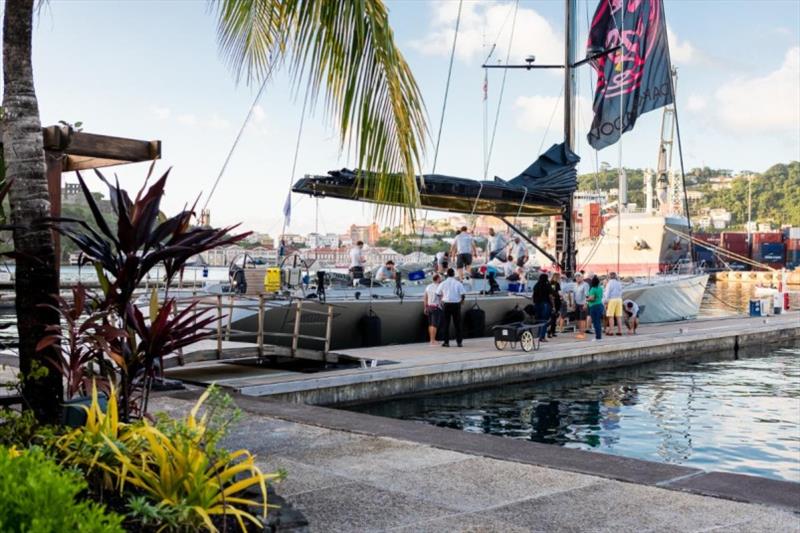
152	70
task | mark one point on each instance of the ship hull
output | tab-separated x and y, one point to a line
647	246
402	320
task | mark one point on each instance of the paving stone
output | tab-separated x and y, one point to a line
300	478
267	436
463	523
772	523
369	457
362	508
480	483
615	506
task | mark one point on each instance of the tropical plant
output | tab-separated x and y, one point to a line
37	495
82	340
347	47
122	257
178	471
87	446
36	274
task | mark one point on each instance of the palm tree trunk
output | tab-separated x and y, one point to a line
23	150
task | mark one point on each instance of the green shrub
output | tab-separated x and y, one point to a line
38	496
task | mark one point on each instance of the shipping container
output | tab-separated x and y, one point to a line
792	259
792	245
771	252
762	237
736	243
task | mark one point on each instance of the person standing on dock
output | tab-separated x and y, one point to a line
432	307
357	261
542	304
613	300
464	249
579	292
452	293
594	298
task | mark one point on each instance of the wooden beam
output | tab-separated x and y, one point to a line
104	149
55	165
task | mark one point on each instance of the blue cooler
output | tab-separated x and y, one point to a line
515	287
755	307
416	275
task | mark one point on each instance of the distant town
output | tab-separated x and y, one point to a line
754	202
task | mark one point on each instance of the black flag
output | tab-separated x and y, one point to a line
637	75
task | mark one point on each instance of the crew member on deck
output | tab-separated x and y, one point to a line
520	251
386	272
357	261
464	249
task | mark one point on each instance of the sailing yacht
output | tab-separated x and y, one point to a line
546	188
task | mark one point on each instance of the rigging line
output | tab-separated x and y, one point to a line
241	130
621	128
502	91
550	122
297	150
444	108
499	33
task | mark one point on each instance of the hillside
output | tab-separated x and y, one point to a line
775	192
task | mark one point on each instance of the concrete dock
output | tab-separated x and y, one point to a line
352	472
413	368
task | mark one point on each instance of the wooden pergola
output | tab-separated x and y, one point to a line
67	150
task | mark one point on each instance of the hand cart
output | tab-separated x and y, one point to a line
526	334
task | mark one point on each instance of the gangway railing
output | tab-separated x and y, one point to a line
222	329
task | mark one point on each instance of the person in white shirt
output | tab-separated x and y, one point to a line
432	307
612	298
497	245
631	310
579	293
452	293
464	249
520	251
357	261
440	263
509	270
386	272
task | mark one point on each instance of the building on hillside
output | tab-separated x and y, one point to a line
719	183
694	196
378	255
368	234
319	240
293	239
261	239
720	217
72	194
416	257
582	198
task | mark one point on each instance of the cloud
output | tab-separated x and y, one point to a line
696	103
769	103
682	52
258	115
187	119
161	113
486	23
218	123
536	113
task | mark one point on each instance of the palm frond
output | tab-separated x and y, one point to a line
346	49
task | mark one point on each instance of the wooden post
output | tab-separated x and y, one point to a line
261	325
219	326
55	164
328	328
230	319
295	336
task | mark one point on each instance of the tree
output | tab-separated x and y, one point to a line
347	47
23	153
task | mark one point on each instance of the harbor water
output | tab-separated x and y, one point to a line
725	412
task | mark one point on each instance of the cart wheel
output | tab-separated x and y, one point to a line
500	345
526	341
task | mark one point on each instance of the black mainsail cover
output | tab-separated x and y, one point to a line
543	189
637	76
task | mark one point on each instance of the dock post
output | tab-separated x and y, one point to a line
328	328
219	326
260	325
230	319
296	335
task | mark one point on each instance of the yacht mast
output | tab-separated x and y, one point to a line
568	259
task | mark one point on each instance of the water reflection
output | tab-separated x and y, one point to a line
716	412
